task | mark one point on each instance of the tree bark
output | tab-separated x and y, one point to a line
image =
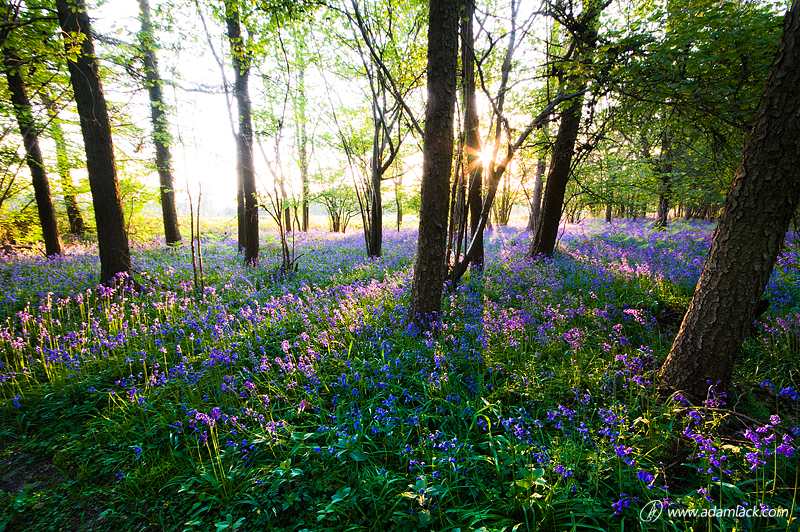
429	265
76	224
376	201
33	155
544	239
161	136
756	216
101	166
245	168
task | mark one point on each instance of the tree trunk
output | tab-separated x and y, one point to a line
33	155
161	136
398	194
608	213
101	166
429	265
472	127
245	169
76	224
756	216
544	239
536	200
302	139
664	181
376	207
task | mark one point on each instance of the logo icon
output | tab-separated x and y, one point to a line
651	511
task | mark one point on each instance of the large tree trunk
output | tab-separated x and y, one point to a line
756	216
76	224
101	166
536	200
429	265
33	155
245	169
161	136
544	239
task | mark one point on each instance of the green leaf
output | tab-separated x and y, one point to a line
358	456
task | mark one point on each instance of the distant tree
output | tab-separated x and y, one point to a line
536	195
429	266
101	166
77	226
161	136
762	200
338	198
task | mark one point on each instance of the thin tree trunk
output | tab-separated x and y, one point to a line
664	181
161	136
76	224
398	194
544	239
429	265
302	141
245	169
759	207
472	126
376	207
536	200
33	155
101	166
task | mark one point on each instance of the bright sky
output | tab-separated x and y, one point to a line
203	150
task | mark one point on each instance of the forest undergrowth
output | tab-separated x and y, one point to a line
306	401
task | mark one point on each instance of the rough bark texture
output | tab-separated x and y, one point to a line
161	137
429	266
544	239
471	126
244	138
33	155
76	224
754	221
101	166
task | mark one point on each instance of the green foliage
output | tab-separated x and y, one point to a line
337	196
686	79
